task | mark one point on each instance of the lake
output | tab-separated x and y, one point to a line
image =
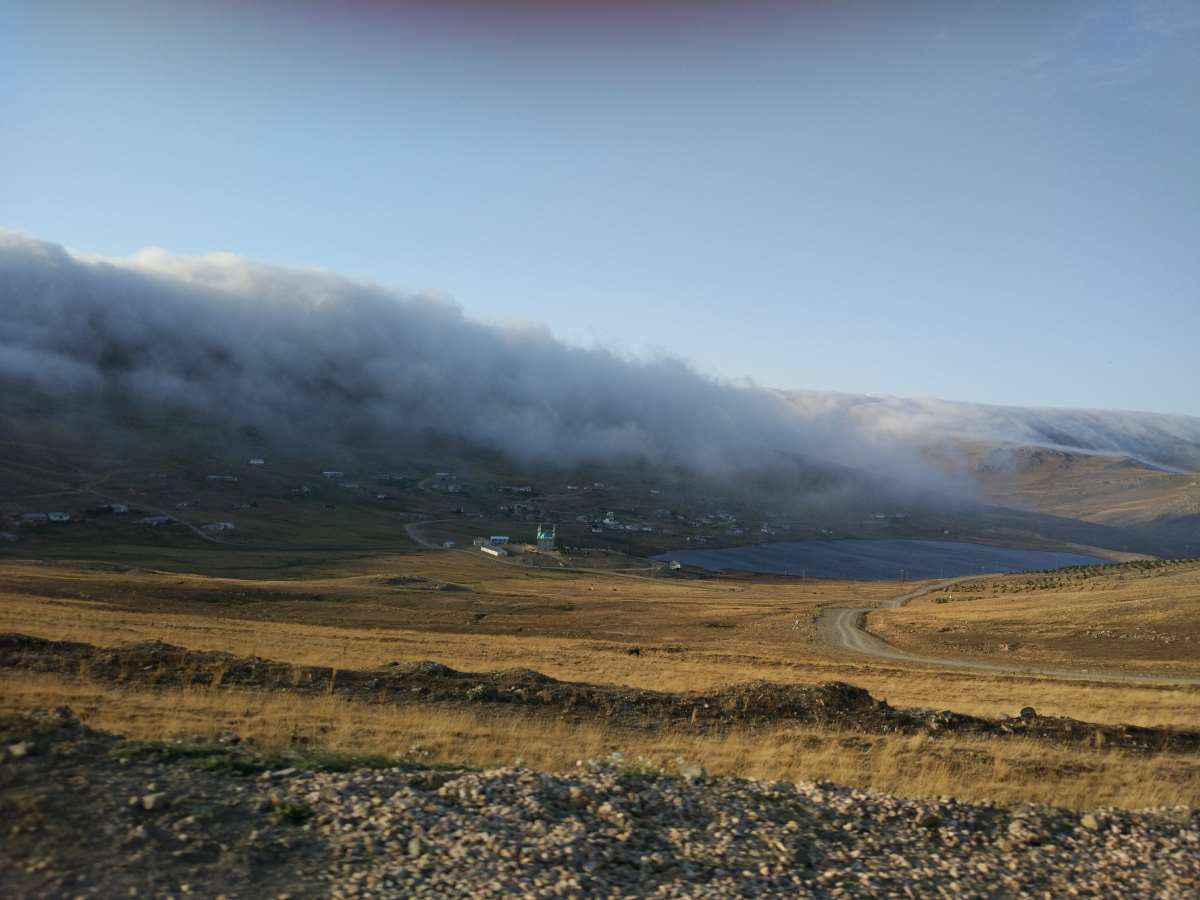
866	560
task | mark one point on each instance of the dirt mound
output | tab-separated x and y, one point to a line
428	668
420	582
758	703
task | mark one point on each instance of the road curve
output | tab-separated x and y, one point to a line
845	629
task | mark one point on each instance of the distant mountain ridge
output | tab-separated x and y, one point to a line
1157	439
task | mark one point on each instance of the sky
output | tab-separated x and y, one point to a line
991	202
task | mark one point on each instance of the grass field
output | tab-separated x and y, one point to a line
572	626
915	766
364	606
1136	617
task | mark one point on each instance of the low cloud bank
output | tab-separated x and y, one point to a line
156	347
154	344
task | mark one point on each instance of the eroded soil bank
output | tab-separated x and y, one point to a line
758	703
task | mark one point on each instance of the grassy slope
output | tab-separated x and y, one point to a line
1133	617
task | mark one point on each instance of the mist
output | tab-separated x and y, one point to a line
155	347
1168	442
161	349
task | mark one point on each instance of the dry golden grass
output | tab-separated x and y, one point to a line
1128	619
578	627
45	601
1006	771
1105	489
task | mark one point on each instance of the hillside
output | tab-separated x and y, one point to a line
1138	616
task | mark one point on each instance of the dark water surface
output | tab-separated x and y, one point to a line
877	560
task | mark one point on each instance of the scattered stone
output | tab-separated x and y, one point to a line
154	801
693	774
928	819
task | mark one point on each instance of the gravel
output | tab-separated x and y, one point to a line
90	815
608	834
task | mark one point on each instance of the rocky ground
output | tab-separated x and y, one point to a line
833	704
87	814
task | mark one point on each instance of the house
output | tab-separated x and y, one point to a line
34	518
596	529
333	473
258	461
494	551
156	521
674	565
448	545
118	508
218	526
499	540
546	533
352	485
220	477
58	516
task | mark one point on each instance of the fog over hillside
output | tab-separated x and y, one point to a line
1166	441
156	345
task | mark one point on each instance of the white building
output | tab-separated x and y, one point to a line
494	551
58	516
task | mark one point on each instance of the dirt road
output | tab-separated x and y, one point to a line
844	628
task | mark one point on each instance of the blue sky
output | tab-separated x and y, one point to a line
996	202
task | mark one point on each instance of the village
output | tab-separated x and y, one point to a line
263	501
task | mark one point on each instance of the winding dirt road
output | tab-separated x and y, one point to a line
844	628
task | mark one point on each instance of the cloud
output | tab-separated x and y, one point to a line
217	350
158	344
